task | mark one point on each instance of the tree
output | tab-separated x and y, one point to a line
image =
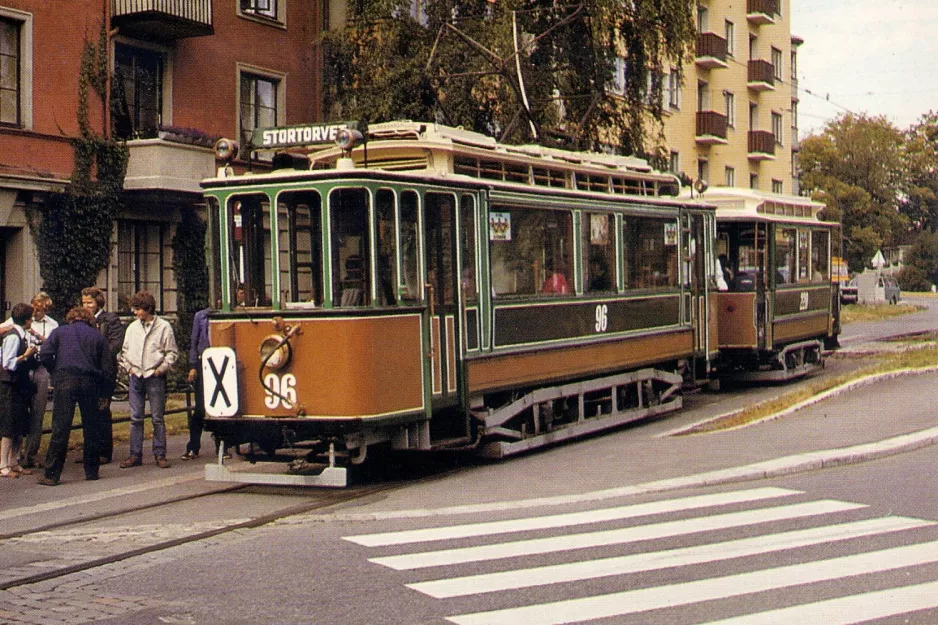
532	71
920	204
857	166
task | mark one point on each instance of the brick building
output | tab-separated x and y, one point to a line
190	71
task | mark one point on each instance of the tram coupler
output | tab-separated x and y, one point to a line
329	476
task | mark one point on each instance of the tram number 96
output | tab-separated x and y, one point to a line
602	317
280	391
803	305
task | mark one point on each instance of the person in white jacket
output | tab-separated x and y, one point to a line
148	353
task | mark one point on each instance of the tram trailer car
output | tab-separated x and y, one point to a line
780	308
421	287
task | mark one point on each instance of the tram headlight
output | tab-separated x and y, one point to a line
226	150
274	357
348	138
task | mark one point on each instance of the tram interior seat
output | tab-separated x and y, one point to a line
744	281
353	283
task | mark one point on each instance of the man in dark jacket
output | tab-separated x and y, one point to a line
77	355
92	300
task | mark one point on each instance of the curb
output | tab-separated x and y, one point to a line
778	467
832	392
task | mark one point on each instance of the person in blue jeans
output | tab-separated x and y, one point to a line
148	353
197	344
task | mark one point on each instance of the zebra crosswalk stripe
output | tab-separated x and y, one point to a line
635	601
471	530
606	567
847	610
611	537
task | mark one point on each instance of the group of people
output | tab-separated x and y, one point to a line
80	359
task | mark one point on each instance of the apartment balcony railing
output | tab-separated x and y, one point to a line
163	19
761	75
711	51
711	128
761	11
761	145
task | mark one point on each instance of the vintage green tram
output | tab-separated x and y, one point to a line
422	287
781	307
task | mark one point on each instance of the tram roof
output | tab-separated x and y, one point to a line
443	152
736	204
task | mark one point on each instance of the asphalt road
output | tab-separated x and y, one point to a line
710	553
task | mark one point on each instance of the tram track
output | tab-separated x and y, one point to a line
322	500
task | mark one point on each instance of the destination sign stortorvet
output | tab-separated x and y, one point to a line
307	134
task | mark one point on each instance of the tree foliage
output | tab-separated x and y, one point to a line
73	229
857	166
532	71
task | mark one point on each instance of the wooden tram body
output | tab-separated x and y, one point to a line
781	307
433	289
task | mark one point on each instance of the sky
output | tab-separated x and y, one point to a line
878	57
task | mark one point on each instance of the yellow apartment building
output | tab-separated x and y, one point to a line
732	121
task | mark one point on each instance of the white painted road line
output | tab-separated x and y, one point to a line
635	601
611	537
847	610
571	519
607	567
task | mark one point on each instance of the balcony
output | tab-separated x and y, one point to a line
761	76
163	165
163	20
711	128
760	12
711	51
761	145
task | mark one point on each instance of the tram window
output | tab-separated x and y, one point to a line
804	246
599	252
470	289
650	252
531	251
214	264
439	215
785	266
348	214
410	248
300	225
250	260
820	255
386	247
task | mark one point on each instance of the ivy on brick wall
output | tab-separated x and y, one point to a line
73	229
191	272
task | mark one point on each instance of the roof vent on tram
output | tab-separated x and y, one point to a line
290	160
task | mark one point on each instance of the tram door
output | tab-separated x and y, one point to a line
695	253
440	249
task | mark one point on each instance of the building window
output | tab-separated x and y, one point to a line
754	181
703	96
9	72
16	68
777	128
777	64
730	101
259	104
140	261
703	170
618	76
675	163
674	90
703	20
138	87
777	186
730	32
729	177
260	8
